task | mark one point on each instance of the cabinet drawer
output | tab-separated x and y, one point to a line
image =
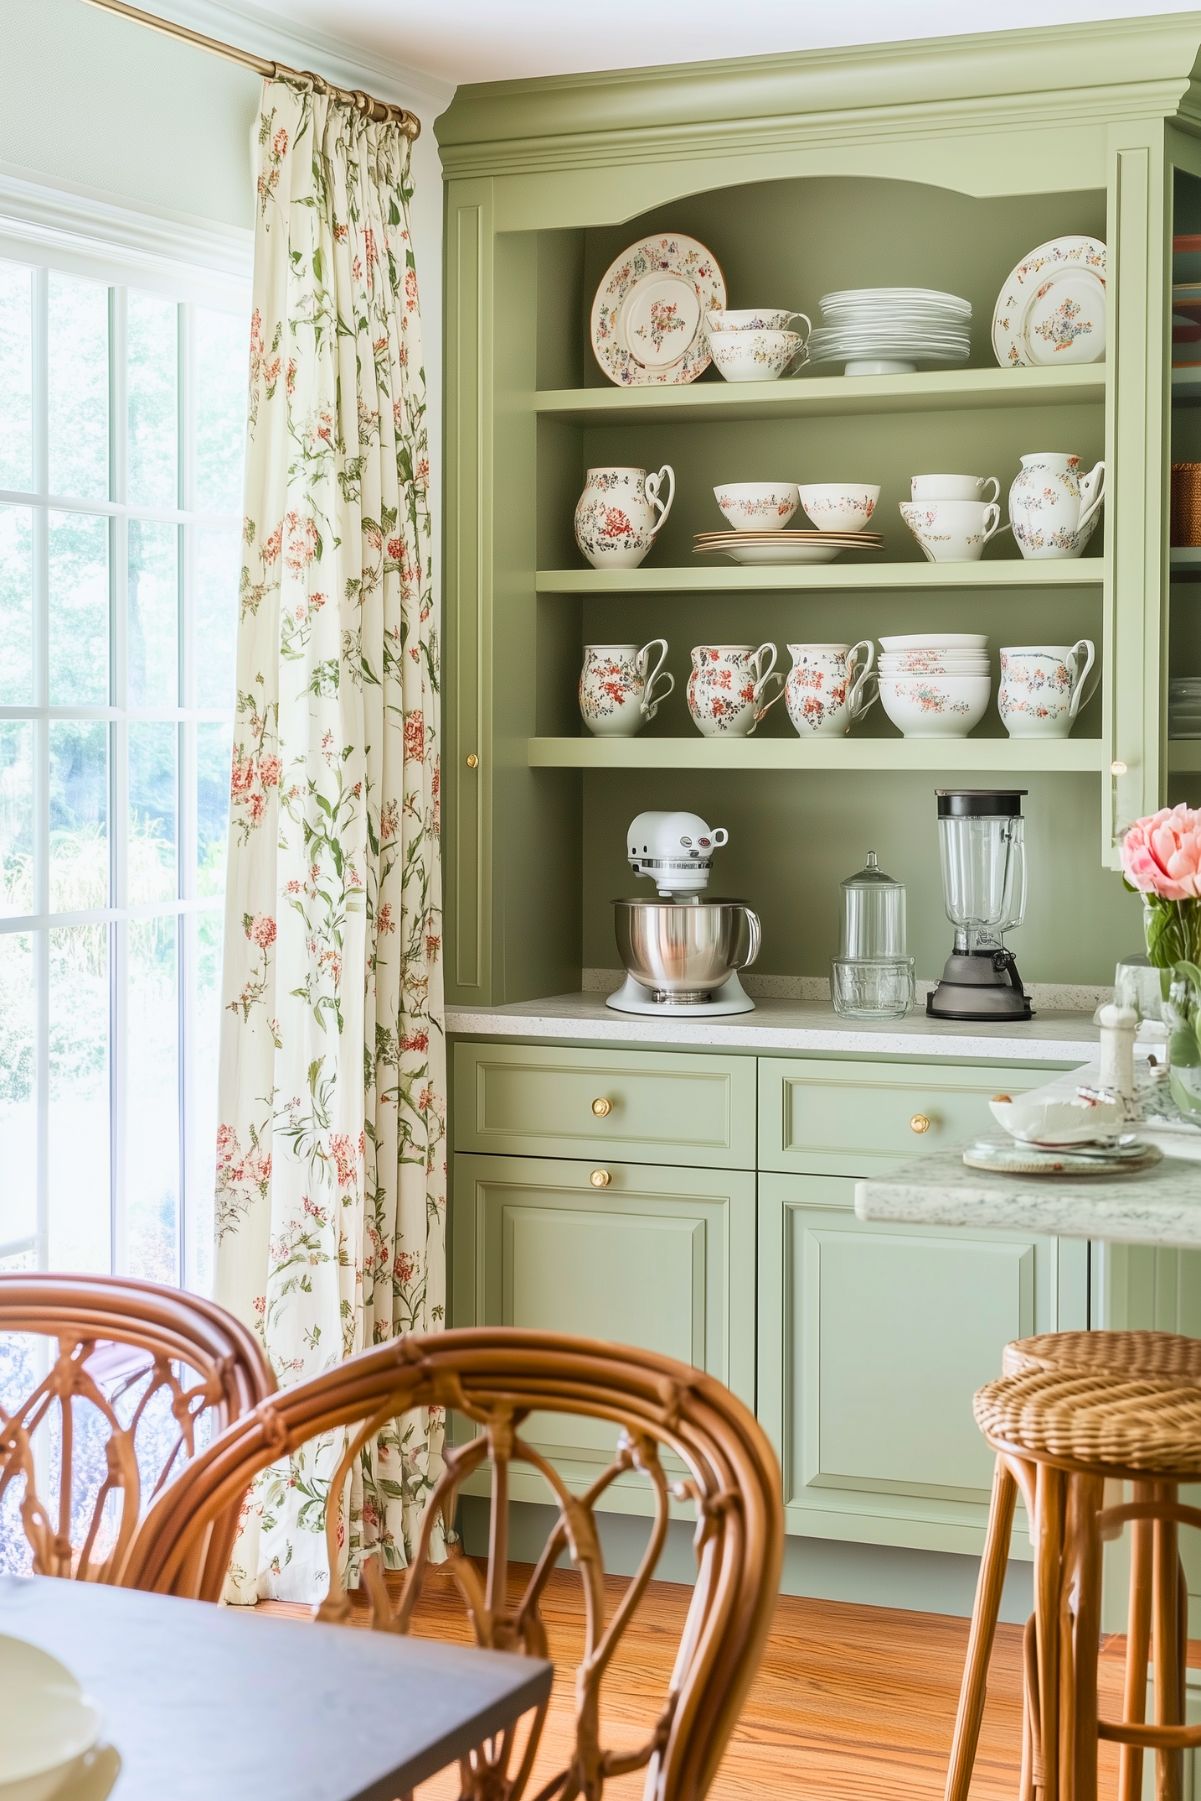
632	1106
852	1118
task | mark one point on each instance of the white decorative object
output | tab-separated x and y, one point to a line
1053	507
727	685
952	531
618	691
619	513
1051	309
1043	687
49	1731
827	687
649	312
1119	1026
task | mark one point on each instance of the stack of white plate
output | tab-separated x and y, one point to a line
889	331
935	685
1184	706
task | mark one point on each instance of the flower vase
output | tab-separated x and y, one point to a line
1182	1017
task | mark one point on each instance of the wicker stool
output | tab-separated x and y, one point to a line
1104	1356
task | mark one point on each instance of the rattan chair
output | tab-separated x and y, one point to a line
121	1382
666	1417
1103	1355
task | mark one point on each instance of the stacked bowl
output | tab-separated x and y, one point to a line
889	331
935	685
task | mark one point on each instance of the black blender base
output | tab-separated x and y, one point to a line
980	986
998	1015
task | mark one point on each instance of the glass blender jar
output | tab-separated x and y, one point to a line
984	891
871	977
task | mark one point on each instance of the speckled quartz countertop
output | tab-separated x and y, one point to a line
803	1027
1160	1206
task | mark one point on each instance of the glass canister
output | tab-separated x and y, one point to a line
872	977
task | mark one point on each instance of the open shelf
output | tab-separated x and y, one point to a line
858	572
949	755
933	390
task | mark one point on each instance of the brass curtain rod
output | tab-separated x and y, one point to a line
380	110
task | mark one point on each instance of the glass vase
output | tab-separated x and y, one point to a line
1182	1016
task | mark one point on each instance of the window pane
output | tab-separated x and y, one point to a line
16	376
78	399
153	615
16	606
152	792
16	821
152	1105
220	380
202	1099
218	564
78	610
78	815
214	745
18	1115
151	332
79	1099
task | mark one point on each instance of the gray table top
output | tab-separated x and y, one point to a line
208	1703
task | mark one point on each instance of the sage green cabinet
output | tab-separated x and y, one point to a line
871	1342
658	1257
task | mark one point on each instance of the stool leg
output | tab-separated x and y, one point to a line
1138	1648
1048	1605
1083	1559
1169	1765
985	1612
1032	1769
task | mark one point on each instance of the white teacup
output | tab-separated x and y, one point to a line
954	487
618	691
952	531
828	687
727	685
1044	686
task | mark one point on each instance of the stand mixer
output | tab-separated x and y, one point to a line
681	953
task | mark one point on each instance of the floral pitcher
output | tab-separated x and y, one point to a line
1053	508
619	514
726	688
618	692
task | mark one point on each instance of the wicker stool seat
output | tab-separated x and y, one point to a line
1109	1423
1160	1354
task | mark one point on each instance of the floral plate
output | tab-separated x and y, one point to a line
648	316
1051	309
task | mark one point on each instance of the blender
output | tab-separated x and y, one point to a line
984	892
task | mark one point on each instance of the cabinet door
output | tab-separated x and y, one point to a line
659	1258
872	1341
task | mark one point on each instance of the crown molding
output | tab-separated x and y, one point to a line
280	39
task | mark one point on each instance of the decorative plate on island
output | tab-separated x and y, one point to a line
649	313
1052	307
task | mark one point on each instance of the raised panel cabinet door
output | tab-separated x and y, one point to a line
655	1258
683	1107
824	1116
872	1341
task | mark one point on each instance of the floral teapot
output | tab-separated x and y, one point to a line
1053	508
618	516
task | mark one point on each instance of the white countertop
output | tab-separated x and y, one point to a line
804	1027
1160	1206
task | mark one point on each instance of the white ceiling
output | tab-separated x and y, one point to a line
493	40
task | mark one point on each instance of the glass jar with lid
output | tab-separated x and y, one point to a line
872	976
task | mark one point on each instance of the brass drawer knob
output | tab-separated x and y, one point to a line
602	1107
473	761
920	1122
600	1178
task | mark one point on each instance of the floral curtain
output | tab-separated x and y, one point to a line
331	1170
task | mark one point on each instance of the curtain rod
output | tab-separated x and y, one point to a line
380	110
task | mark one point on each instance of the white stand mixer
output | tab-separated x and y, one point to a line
682	953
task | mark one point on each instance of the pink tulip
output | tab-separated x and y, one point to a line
1161	854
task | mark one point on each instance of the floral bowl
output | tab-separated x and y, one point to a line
757	506
935	706
754	318
755	355
839	506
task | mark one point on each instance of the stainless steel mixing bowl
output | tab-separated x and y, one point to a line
685	950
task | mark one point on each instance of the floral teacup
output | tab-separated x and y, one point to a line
726	688
618	692
755	355
828	688
952	531
1043	687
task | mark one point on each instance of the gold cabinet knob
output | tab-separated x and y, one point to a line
920	1122
602	1107
473	761
600	1178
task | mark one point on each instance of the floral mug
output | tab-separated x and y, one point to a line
619	513
828	687
727	685
1043	687
618	692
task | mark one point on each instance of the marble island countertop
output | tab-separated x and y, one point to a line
1055	1036
1159	1206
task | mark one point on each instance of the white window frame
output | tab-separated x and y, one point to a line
194	265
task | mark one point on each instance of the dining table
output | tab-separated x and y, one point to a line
210	1703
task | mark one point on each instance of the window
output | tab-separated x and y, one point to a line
122	413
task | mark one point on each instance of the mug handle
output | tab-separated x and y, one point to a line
805	334
762	669
867	649
992	520
1092	493
996	488
650	488
651	700
761	712
1079	695
862	701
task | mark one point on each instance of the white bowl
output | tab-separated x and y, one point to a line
754	318
754	506
754	355
47	1724
900	666
935	706
936	641
1068	1120
839	506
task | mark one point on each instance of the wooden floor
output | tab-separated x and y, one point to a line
851	1703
